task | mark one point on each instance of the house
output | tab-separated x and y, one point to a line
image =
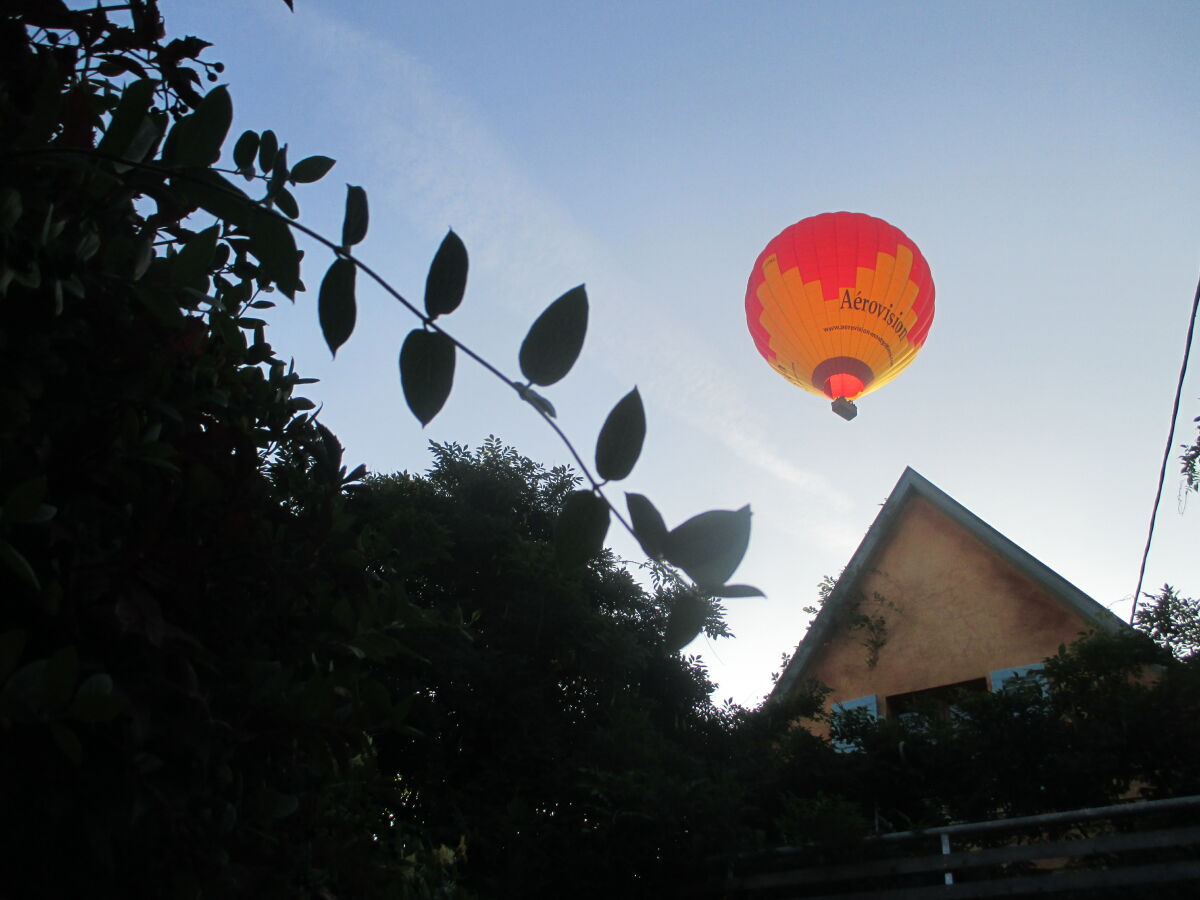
934	601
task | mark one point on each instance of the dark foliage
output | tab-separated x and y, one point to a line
553	735
1190	464
1113	716
1172	621
222	676
184	708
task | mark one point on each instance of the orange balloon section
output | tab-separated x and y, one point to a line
840	303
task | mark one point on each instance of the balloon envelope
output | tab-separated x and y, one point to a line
840	303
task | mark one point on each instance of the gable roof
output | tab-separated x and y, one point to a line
910	485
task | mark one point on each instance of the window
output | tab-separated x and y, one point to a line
1000	677
937	702
868	704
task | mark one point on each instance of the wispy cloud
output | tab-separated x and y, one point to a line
440	165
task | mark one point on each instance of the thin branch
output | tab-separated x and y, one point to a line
342	252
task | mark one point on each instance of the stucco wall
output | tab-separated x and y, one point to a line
960	612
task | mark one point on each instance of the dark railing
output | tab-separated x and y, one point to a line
1084	852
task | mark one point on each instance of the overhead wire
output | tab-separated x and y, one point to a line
1162	472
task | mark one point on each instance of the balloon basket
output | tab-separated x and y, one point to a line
844	408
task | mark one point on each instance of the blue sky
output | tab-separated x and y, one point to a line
1042	155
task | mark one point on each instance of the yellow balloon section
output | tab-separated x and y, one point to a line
840	303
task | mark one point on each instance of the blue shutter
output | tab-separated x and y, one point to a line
870	703
1001	676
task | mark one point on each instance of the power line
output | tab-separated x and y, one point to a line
1162	472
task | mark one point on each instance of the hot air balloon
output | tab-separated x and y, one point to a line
840	304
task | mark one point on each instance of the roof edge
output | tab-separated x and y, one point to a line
912	482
